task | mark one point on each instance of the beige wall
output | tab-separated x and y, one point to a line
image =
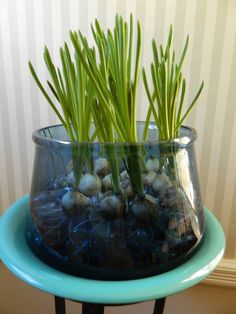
26	25
19	298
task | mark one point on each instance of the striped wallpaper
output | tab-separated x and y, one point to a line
27	25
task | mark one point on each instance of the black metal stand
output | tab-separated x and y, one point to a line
96	308
60	306
92	308
159	306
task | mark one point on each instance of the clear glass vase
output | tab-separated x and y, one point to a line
114	211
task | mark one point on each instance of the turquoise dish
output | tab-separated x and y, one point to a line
21	261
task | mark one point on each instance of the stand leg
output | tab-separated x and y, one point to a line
92	308
60	307
159	306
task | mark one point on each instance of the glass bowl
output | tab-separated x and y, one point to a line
114	211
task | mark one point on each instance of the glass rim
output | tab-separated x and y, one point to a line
180	141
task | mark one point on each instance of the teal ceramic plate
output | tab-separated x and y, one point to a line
17	256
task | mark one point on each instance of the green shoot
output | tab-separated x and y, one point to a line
111	74
168	84
74	93
115	83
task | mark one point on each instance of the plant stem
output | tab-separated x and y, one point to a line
168	162
110	151
78	158
135	168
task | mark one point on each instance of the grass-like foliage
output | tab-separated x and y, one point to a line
100	84
116	84
73	90
112	76
166	99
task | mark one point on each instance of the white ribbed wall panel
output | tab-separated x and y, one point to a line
27	25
